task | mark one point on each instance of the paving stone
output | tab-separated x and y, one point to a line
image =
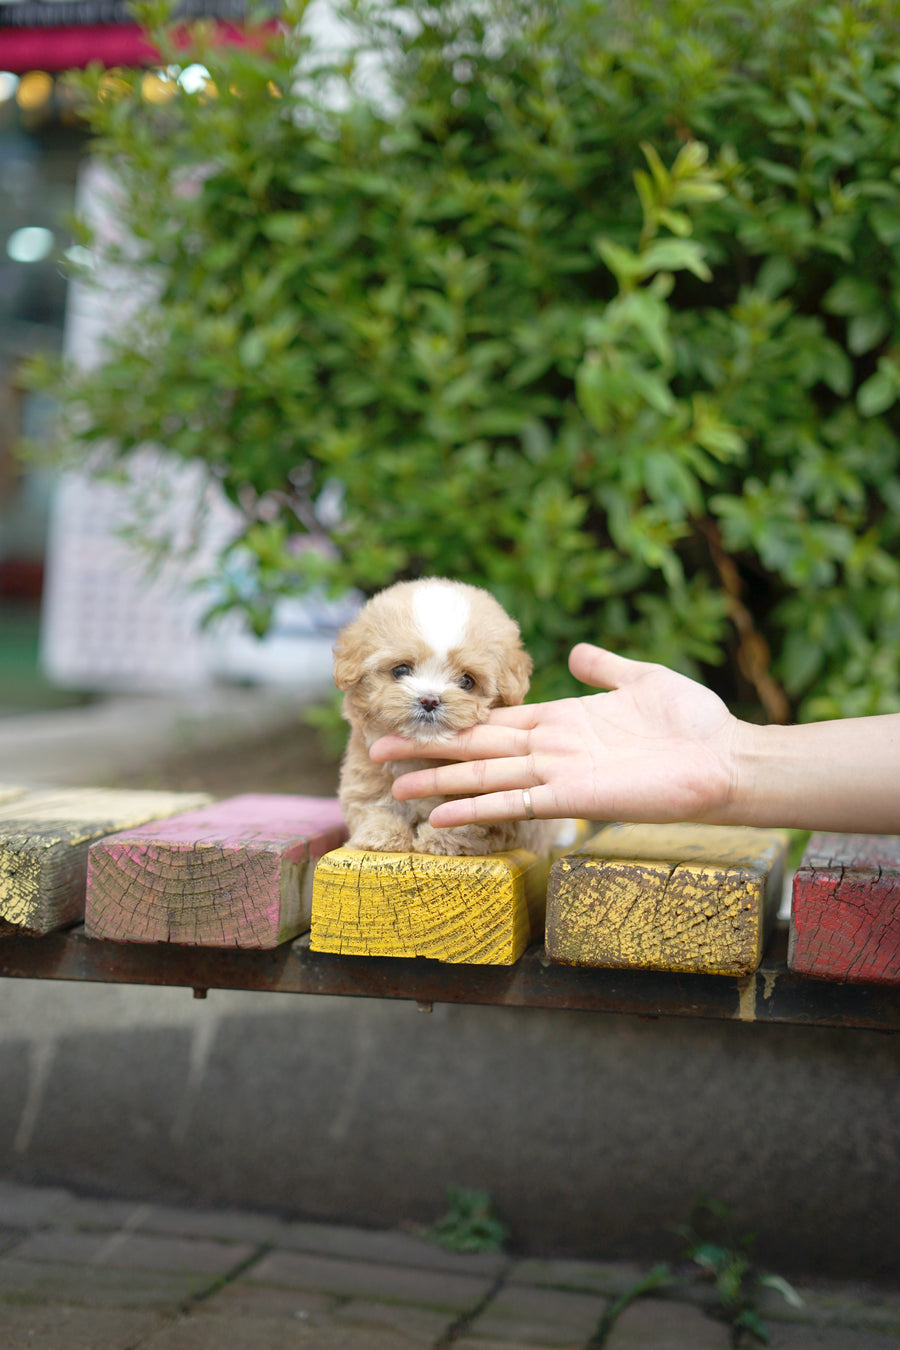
370	1280
239	1299
225	1225
105	1215
66	1328
98	1286
30	1206
406	1249
480	1343
611	1278
205	1332
134	1251
833	1304
395	1316
10	1237
660	1324
537	1316
795	1337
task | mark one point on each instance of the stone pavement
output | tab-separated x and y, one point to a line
87	1274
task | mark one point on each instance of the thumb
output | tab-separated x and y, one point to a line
601	668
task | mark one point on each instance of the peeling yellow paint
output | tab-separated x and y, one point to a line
747	999
769	979
675	897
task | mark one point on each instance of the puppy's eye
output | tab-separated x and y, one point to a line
399	671
466	682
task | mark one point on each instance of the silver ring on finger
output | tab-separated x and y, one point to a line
526	802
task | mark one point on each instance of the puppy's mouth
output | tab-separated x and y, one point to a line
428	720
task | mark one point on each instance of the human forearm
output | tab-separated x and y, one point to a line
842	776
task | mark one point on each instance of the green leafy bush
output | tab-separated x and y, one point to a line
593	304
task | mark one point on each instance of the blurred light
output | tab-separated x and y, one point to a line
34	90
194	79
30	244
80	257
113	85
158	87
9	83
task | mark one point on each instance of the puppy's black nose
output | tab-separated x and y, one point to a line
430	702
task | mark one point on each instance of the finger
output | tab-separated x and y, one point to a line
603	669
479	776
484	741
495	806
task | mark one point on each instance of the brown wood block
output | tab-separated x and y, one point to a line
44	841
479	910
698	898
845	916
235	873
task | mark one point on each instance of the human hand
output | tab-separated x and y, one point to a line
657	748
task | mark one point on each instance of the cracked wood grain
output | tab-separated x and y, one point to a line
693	898
44	841
845	916
475	910
235	873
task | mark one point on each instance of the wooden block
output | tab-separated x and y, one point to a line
233	874
845	916
698	898
44	841
480	910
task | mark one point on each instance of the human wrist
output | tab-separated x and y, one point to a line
749	750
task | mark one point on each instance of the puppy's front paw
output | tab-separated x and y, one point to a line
463	841
382	832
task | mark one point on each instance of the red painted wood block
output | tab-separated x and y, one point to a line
237	873
845	919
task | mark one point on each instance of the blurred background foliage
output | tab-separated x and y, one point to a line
594	304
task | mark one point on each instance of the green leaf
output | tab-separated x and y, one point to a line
851	296
877	394
675	255
781	1286
866	331
287	227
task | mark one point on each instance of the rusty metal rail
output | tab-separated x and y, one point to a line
773	994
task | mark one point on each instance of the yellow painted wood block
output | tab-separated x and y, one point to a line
44	841
699	898
479	910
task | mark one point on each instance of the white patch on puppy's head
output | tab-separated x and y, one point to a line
427	658
441	612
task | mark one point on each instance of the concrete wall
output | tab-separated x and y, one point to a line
593	1133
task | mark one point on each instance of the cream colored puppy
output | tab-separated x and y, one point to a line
424	659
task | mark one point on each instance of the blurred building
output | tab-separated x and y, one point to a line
105	621
41	146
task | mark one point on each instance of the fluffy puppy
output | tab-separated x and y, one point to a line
424	659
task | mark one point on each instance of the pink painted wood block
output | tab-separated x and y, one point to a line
845	915
237	873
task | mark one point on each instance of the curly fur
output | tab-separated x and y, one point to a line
424	659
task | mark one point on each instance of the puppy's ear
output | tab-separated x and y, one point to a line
513	677
348	658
